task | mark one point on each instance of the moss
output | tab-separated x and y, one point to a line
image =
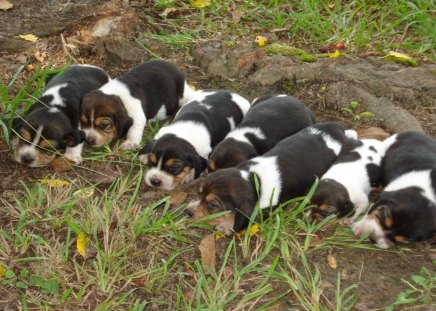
282	49
308	58
402	60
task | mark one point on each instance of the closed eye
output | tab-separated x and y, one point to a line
175	169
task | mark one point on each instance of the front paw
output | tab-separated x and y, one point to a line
129	145
77	159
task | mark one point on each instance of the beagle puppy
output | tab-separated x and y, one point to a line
406	209
51	125
151	91
178	153
346	185
286	171
269	119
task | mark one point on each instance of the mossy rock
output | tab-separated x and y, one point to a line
282	49
402	60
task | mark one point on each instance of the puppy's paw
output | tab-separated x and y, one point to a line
77	159
143	158
129	145
226	227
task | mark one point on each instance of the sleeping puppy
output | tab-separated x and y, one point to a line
270	119
121	107
52	125
286	171
347	184
178	152
406	209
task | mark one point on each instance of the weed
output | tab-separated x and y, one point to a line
351	109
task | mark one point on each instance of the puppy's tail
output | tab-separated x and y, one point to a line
188	95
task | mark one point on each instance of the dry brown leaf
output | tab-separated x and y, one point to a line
208	253
374	133
332	261
178	197
61	164
5	5
315	240
40	56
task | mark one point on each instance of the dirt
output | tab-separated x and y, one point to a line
401	97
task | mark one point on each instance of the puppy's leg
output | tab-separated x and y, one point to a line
74	153
134	134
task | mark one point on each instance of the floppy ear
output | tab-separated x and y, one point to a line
200	164
241	221
17	123
74	138
148	147
124	122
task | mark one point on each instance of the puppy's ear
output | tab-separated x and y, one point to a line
241	221
74	138
122	119
200	164
17	123
148	147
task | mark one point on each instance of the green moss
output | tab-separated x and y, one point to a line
282	49
308	58
402	60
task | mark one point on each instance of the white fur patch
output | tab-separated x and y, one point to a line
242	103
239	134
194	132
53	110
166	179
351	134
370	226
331	143
161	114
74	153
390	141
267	170
134	110
57	98
30	150
188	95
231	122
420	179
245	174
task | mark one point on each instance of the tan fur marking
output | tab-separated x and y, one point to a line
323	207
400	238
26	135
211	165
178	178
84	119
153	158
389	222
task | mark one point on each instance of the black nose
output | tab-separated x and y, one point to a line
90	141
27	159
155	182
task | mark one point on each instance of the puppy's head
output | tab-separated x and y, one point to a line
103	118
229	153
225	190
41	135
399	218
171	161
330	198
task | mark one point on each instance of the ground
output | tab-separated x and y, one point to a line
147	249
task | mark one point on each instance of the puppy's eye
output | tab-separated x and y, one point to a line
47	151
212	205
104	126
175	169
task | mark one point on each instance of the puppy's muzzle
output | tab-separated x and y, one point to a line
155	182
27	159
90	141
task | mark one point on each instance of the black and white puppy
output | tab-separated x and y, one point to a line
286	171
178	153
270	119
406	209
150	91
51	125
346	185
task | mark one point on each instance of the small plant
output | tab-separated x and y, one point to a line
357	116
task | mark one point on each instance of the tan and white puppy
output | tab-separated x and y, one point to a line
151	91
179	151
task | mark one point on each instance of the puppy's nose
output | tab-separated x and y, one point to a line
27	159
155	182
90	141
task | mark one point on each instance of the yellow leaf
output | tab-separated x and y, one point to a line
201	3
2	271
29	37
53	183
219	235
332	261
82	243
254	229
335	54
261	41
401	55
83	194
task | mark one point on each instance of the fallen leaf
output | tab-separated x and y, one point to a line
261	41
61	164
91	252
201	3
82	243
335	54
397	54
401	58
332	5
327	49
220	235
2	271
332	261
83	194
5	5
208	253
139	282
53	183
373	133
29	37
255	228
40	56
178	197
315	240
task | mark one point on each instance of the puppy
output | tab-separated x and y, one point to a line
347	184
286	171
121	107
406	209
178	152
270	119
51	125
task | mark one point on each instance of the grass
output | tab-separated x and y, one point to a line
141	252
